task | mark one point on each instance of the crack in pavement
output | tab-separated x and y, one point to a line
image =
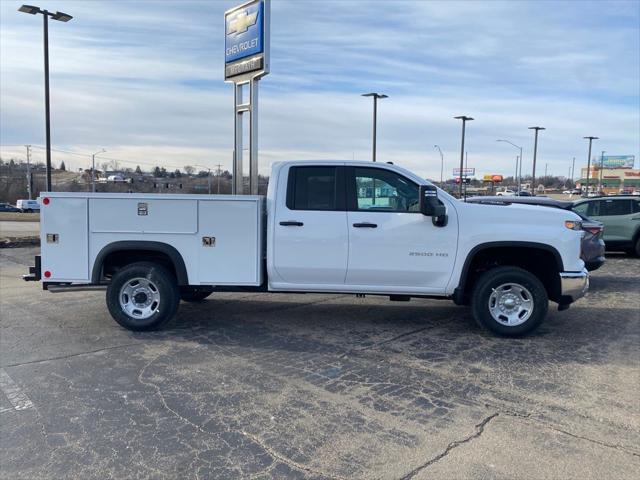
384	342
479	429
71	355
288	461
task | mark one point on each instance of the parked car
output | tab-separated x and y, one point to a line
523	193
593	245
506	193
28	206
621	218
7	207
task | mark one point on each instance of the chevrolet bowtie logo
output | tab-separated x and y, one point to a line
241	22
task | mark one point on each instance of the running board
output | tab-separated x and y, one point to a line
74	288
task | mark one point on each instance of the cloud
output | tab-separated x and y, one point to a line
144	81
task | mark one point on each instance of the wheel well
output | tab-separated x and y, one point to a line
540	262
115	256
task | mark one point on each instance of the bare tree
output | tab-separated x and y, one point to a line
189	170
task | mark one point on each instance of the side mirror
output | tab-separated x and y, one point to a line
430	205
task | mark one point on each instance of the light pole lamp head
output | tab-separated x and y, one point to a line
376	95
61	16
464	118
30	9
537	128
591	138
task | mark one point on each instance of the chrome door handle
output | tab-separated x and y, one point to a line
291	223
365	225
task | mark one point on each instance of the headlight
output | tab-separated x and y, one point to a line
573	225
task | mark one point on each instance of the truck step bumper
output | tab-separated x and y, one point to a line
573	285
35	273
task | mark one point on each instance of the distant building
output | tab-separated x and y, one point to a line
612	180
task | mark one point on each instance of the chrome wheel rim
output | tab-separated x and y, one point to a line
510	304
139	298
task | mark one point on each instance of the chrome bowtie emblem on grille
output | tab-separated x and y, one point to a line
241	22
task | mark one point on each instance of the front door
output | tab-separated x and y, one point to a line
311	243
390	242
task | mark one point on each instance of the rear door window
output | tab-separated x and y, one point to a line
611	208
315	188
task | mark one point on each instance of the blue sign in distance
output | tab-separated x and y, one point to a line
244	32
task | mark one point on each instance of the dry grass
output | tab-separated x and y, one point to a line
19	217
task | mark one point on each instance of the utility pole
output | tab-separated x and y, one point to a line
464	119
28	170
573	169
375	96
93	169
546	165
535	155
441	165
591	139
219	171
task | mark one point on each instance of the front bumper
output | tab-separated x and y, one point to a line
573	285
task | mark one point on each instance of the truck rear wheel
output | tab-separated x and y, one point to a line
195	294
509	301
143	296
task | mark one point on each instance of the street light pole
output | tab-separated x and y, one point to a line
591	139
441	164
535	156
519	174
93	169
62	17
600	177
464	119
375	96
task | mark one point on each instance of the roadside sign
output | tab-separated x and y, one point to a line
493	178
615	161
466	172
246	45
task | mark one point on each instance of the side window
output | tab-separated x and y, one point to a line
312	188
615	207
377	189
594	209
636	206
581	209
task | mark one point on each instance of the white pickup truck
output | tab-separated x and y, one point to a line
324	226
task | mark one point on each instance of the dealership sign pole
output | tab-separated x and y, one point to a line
246	60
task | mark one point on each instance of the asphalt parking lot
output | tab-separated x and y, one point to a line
317	386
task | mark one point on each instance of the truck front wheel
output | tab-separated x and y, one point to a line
509	301
143	296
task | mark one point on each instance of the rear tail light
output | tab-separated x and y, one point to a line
595	231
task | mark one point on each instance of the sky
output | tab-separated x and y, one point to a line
144	80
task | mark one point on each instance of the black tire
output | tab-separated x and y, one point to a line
636	249
195	294
163	282
491	282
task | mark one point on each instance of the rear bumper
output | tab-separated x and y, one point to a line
573	285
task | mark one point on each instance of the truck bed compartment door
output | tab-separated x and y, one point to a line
64	240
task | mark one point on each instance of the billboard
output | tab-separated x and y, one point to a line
246	39
466	172
614	161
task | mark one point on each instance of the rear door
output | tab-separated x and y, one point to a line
616	215
310	229
390	242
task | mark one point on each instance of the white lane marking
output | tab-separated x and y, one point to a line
13	393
